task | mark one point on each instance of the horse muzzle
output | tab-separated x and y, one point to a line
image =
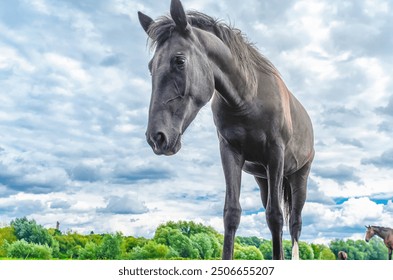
163	144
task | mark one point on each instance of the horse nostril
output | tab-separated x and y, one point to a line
160	139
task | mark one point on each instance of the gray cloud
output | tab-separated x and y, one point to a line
314	193
150	174
341	174
388	109
23	174
84	173
350	141
22	208
124	205
60	204
385	160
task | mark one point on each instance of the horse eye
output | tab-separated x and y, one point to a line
180	60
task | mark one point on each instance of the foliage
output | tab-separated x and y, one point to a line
70	244
31	232
326	254
207	245
360	250
189	240
287	248
25	239
189	228
376	250
179	242
7	236
23	250
266	249
322	252
305	251
247	253
130	242
251	241
110	248
151	250
89	252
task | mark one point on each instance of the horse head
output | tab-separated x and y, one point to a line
182	80
369	233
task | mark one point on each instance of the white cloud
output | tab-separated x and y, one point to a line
376	8
359	211
38	5
67	66
10	60
124	205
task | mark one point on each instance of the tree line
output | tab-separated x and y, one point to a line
25	239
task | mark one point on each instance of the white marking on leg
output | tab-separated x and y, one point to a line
295	251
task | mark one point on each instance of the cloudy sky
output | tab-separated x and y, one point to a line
75	91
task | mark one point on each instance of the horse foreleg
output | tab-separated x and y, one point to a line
390	254
232	165
274	215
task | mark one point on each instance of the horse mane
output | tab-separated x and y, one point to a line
245	53
382	229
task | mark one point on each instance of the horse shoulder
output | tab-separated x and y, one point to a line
389	240
285	97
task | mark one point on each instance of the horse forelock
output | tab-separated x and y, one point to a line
160	31
245	53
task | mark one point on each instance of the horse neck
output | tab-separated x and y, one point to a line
381	232
231	81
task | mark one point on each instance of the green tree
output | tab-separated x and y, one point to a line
89	252
110	248
182	244
21	249
54	231
305	251
322	252
207	245
266	249
130	242
247	253
30	231
189	228
7	236
356	250
70	244
250	241
151	250
176	240
287	248
326	254
376	250
338	245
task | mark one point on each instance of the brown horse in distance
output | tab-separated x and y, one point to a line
385	233
342	255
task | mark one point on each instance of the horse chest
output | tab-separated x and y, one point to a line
389	241
251	144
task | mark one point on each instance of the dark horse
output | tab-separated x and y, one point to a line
262	128
385	233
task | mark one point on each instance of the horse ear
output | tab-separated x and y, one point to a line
145	21
179	15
